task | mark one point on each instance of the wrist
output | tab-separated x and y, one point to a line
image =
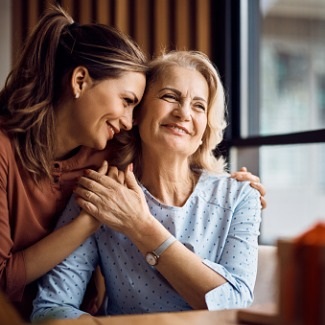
88	222
152	258
149	235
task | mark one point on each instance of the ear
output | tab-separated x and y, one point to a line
80	80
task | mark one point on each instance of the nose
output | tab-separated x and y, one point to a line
126	120
183	110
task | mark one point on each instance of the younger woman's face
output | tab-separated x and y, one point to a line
104	108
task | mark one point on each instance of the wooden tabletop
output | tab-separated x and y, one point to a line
201	317
263	314
259	315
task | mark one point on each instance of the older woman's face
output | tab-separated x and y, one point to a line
173	115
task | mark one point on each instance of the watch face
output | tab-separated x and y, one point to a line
151	259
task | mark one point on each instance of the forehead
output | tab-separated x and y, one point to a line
184	80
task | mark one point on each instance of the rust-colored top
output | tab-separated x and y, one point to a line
28	212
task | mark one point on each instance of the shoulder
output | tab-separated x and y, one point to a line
222	182
222	189
5	141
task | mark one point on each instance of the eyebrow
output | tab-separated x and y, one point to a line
135	98
179	93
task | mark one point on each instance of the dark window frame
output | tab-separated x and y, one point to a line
226	54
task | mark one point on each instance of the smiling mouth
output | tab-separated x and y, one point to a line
177	128
113	129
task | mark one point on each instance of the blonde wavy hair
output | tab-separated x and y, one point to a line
126	147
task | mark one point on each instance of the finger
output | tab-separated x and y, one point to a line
92	174
239	175
247	176
121	177
112	172
86	193
87	206
116	174
99	186
260	187
130	179
103	168
263	202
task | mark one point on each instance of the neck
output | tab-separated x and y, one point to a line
170	183
65	144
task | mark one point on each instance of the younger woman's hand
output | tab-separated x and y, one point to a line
244	175
103	169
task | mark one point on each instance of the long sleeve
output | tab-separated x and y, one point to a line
12	266
61	291
238	261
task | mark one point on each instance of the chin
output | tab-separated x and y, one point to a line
100	145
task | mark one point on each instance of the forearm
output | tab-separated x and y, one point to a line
186	273
51	250
183	269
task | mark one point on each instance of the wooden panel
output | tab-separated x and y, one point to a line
182	24
32	14
17	27
161	23
155	24
142	29
85	9
203	37
122	16
102	12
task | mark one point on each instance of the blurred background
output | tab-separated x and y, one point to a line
271	58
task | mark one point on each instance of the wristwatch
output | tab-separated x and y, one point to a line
152	258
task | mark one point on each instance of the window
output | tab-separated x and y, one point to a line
278	124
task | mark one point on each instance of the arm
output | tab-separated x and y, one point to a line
238	262
60	291
44	255
128	213
20	267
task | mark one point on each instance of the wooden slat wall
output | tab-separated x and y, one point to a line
154	24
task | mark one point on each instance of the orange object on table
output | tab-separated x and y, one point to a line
302	278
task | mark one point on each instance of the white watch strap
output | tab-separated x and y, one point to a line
158	251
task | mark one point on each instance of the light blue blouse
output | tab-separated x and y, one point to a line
219	222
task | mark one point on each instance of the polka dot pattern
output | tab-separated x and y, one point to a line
219	222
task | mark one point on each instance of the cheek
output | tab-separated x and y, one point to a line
201	125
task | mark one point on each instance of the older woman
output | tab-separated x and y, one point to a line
185	236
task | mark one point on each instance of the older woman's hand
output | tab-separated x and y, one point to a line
114	199
244	175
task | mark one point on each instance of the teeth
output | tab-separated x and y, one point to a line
178	129
111	128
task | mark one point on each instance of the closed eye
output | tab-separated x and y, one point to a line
171	98
129	101
200	106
